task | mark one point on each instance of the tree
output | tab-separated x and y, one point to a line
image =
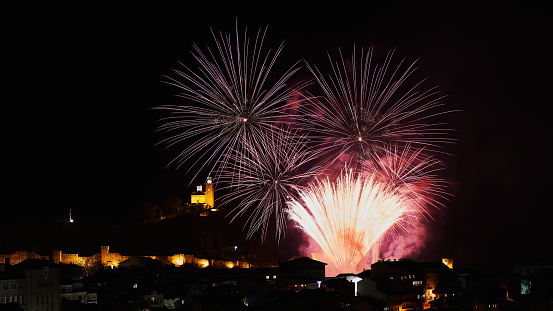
148	212
173	206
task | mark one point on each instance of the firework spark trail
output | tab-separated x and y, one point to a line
229	101
367	106
271	173
348	216
412	173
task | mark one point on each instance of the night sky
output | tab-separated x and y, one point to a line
79	129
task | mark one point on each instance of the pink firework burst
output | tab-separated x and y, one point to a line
369	105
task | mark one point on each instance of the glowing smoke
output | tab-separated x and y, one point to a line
408	244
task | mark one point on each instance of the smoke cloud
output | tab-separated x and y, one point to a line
406	245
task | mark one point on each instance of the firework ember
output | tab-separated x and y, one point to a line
348	217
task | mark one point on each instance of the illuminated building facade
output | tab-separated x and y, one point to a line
440	282
207	197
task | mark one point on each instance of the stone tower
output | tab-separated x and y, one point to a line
209	193
104	253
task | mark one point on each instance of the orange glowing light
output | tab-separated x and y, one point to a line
203	263
178	261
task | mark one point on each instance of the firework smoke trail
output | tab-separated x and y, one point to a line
229	102
348	216
271	173
367	106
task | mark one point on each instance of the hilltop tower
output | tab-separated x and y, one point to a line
104	253
209	193
207	197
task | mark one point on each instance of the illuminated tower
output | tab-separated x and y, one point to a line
207	197
104	253
209	193
56	256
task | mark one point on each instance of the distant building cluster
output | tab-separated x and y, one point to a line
144	283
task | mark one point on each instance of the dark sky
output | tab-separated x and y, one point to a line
79	132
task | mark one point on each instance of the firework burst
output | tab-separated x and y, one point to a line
235	121
229	100
367	106
347	217
264	176
412	173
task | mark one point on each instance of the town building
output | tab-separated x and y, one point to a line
77	292
310	269
33	284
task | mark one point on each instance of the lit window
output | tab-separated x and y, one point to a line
135	286
266	277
